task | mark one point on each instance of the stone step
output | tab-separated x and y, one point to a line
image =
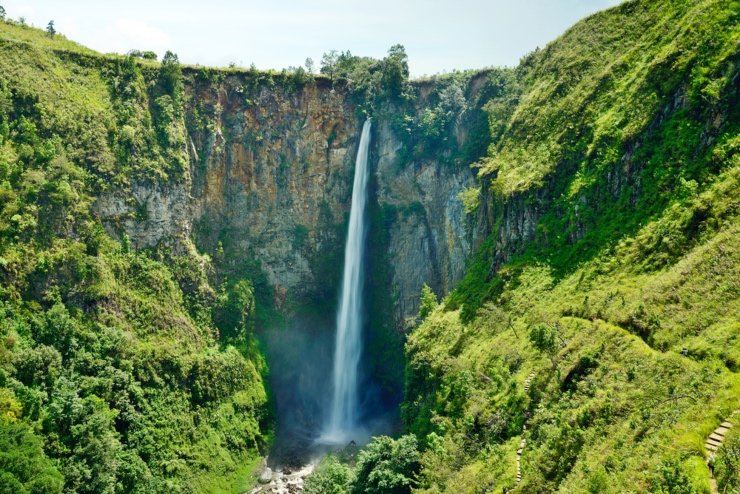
722	430
711	447
717	437
726	424
713	441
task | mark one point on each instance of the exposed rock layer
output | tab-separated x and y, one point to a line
270	180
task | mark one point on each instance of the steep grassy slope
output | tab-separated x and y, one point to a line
119	370
611	191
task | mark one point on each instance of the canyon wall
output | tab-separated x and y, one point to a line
269	187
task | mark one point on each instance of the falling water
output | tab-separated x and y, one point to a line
343	417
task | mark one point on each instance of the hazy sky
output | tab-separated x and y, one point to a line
439	35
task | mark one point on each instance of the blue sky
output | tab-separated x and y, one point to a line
439	35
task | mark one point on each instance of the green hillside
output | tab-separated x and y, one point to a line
112	357
622	302
592	346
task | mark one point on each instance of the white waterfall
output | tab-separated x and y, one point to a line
343	416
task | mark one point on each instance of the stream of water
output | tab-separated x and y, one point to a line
343	422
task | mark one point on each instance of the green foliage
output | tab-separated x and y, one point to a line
444	119
330	477
370	81
727	463
145	55
470	198
608	144
672	480
395	72
170	75
543	338
387	466
234	311
24	468
112	375
428	301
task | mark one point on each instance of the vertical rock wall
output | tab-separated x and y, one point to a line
270	186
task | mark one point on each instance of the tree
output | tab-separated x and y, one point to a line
234	310
331	477
146	55
427	303
395	71
50	28
170	75
727	463
387	466
25	467
2	13
329	63
309	65
125	243
545	338
542	337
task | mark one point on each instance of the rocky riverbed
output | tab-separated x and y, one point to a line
284	480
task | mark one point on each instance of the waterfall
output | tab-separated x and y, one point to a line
343	415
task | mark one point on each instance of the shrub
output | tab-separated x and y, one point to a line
727	463
23	466
387	466
331	477
671	479
428	301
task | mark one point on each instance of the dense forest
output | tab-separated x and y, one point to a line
592	345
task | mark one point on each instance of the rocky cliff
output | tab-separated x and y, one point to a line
270	179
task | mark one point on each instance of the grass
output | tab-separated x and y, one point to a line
613	219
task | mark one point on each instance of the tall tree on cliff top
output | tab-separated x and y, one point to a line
396	71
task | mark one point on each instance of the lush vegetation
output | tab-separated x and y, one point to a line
609	172
383	466
618	143
121	370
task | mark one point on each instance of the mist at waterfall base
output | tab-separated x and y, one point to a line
323	398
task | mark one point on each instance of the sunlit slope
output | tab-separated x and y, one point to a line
611	272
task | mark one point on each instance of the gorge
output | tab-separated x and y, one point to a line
539	263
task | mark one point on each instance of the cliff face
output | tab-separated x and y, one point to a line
429	236
270	179
273	182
